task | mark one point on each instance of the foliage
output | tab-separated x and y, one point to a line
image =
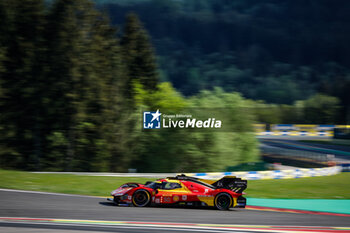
237	144
317	109
138	55
276	51
72	86
184	150
83	90
20	38
320	109
169	150
61	87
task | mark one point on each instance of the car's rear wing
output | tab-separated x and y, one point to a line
229	182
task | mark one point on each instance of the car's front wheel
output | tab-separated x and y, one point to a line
223	201
141	198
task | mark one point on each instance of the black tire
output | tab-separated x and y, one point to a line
223	201
116	200
141	198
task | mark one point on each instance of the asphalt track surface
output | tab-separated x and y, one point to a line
41	205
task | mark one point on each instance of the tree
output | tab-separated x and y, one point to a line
20	42
84	72
320	109
139	64
138	55
160	150
61	88
237	143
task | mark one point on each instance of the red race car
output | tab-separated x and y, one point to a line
223	194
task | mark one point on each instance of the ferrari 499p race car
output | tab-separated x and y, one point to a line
222	194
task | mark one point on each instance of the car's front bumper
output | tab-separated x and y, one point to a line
119	200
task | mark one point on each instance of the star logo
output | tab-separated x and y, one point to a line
156	115
151	120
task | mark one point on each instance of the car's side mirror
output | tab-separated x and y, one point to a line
155	190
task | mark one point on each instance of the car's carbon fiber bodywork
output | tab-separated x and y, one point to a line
224	193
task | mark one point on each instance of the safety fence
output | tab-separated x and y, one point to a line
299	154
298	158
275	174
297	130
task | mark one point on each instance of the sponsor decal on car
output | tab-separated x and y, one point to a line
176	198
166	199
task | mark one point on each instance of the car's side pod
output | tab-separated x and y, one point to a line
231	182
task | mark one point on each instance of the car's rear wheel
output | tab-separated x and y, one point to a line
223	201
141	198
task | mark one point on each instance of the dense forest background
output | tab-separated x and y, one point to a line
271	50
75	77
73	88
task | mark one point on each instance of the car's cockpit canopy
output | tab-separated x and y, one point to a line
163	185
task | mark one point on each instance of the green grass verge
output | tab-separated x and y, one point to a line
322	187
329	187
62	183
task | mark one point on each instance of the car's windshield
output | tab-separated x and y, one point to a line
163	185
154	185
170	185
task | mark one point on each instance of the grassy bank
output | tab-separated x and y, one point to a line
334	187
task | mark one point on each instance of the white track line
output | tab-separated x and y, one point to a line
47	193
179	228
170	227
141	226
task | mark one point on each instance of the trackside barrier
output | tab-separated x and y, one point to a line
249	175
275	174
297	130
345	167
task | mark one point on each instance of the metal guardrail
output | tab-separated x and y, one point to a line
301	154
